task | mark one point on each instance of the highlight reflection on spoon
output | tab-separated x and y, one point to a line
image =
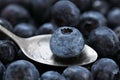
38	49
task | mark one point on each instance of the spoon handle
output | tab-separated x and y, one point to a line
10	34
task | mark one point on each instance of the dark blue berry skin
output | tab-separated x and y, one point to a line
65	13
7	25
46	28
52	75
105	69
24	3
117	31
101	6
116	57
114	17
104	41
25	30
2	70
83	5
21	55
89	21
96	15
3	4
77	73
41	10
17	14
66	42
21	70
7	51
114	3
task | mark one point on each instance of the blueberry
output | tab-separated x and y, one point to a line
83	5
52	75
24	30
46	28
104	69
17	14
66	42
114	17
21	70
89	21
2	70
7	51
104	41
101	6
7	25
65	13
77	73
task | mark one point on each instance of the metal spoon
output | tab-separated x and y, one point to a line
38	49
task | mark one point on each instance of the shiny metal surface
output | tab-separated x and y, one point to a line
38	49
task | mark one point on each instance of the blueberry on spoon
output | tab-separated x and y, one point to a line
66	42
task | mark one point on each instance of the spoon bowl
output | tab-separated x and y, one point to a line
38	49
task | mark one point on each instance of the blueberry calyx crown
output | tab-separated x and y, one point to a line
66	31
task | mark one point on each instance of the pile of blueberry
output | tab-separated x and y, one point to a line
73	24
